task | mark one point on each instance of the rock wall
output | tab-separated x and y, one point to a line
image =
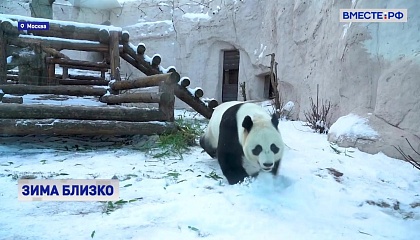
359	67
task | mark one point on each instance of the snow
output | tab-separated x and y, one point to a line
352	126
64	100
376	197
288	106
195	17
166	70
9	59
59	39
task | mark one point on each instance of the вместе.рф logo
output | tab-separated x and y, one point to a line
373	15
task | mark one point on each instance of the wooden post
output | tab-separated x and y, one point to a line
65	73
142	97
114	54
167	105
69	81
3	57
199	106
184	82
51	73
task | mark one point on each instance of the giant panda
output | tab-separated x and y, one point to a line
245	140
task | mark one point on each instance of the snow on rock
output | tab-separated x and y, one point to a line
196	17
352	127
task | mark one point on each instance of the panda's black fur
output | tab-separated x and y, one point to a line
229	151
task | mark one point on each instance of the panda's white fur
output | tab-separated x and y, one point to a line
227	139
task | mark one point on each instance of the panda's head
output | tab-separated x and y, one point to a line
263	143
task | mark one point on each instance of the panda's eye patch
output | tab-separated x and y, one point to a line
257	150
274	148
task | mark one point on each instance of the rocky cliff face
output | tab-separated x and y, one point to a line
360	67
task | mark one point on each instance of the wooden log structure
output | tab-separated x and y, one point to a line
135	64
149	81
199	106
196	92
141	49
116	113
104	35
65	29
13	77
156	60
83	127
54	53
58	90
211	103
142	97
96	82
9	28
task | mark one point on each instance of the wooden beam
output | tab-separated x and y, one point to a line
69	81
54	53
114	54
144	97
141	49
83	127
3	57
58	43
199	106
212	104
134	63
148	81
130	50
58	90
66	29
117	113
71	62
103	36
8	28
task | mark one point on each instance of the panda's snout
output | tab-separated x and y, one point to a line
267	166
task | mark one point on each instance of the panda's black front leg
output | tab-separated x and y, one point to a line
274	171
231	165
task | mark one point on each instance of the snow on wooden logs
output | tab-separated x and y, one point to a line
58	90
75	63
83	127
12	99
149	81
184	82
141	48
142	97
97	82
62	29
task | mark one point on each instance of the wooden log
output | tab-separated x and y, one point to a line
84	77
167	106
148	81
71	62
99	69
184	82
134	63
156	60
129	49
58	90
58	44
114	55
65	73
54	53
65	29
103	36
117	113
125	37
8	28
144	97
141	49
197	92
97	82
212	104
3	57
199	106
51	72
12	99
83	127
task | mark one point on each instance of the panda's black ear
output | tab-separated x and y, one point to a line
274	120
247	123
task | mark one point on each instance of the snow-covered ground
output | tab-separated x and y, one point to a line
321	193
